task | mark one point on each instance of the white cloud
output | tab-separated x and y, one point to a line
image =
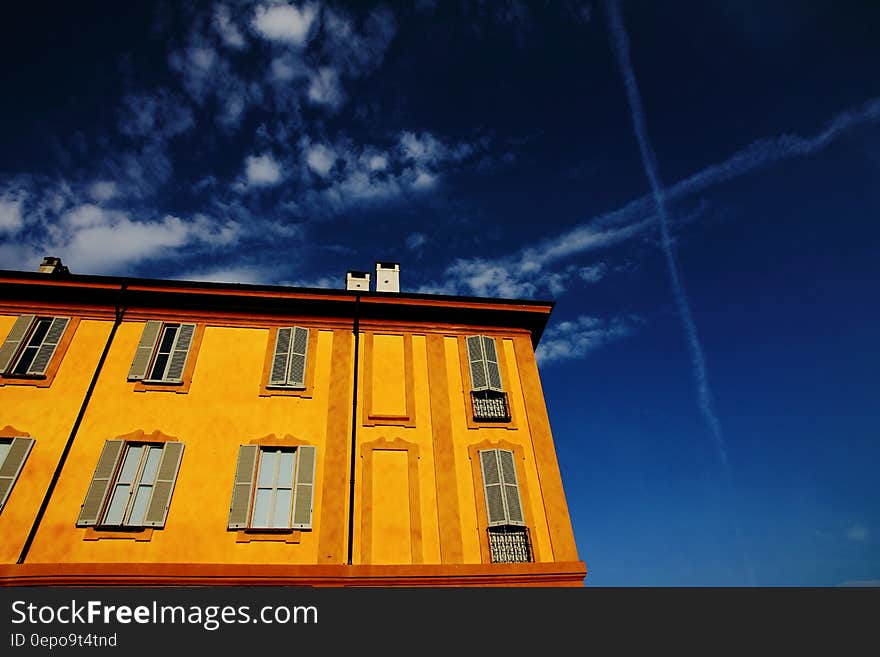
482	278
423	180
858	533
97	241
415	241
239	274
91	239
320	159
325	89
11	219
423	149
286	68
262	171
157	115
227	29
592	274
103	190
377	162
285	23
575	339
352	52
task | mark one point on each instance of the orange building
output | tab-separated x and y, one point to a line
166	432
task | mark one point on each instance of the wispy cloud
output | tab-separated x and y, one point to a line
285	23
262	171
858	533
229	32
11	220
575	339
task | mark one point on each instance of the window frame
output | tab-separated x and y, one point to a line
247	531
475	422
44	380
134	485
24	444
268	389
144	384
483	526
96	503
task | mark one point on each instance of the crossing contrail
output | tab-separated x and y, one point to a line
620	46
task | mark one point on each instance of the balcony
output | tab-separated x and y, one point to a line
490	406
509	544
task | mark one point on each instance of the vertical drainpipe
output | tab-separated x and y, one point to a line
120	310
354	407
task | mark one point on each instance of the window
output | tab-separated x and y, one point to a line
162	353
273	488
289	358
132	485
488	398
30	345
13	454
508	534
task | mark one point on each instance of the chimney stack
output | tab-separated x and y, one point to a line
53	266
357	280
387	277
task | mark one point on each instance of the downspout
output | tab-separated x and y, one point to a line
354	408
120	310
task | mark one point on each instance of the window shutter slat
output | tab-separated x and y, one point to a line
281	357
299	349
477	363
13	340
50	343
12	465
144	353
511	487
493	488
305	487
180	353
100	487
242	487
493	372
166	476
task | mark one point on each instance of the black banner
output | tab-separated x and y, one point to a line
164	620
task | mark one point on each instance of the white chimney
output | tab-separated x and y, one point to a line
387	277
357	280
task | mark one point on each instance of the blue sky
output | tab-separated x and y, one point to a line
721	429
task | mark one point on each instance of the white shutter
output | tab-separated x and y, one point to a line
12	465
479	379
100	487
278	377
180	353
166	476
511	487
144	353
10	346
299	348
305	487
493	372
47	349
493	488
242	487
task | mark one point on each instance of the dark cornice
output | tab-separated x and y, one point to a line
245	299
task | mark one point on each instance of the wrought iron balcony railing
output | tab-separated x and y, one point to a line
490	406
509	544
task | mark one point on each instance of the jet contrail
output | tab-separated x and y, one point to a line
620	46
627	221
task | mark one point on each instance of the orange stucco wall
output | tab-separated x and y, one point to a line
223	409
